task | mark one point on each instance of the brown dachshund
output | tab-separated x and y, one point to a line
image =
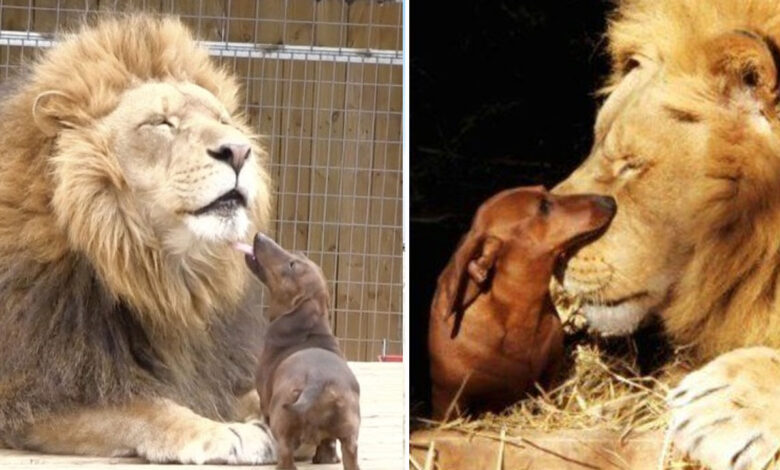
493	329
307	392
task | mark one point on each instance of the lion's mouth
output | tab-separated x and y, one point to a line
616	301
619	316
228	202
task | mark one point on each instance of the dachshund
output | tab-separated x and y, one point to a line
493	330
307	392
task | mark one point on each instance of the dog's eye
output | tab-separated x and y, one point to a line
292	264
544	206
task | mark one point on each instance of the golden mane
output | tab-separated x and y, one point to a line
673	28
79	200
727	295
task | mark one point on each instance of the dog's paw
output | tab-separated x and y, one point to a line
326	452
224	443
726	415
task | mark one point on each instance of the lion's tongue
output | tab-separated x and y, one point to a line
244	248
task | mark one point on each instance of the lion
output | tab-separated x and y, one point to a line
687	140
128	324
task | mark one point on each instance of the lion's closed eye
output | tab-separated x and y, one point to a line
160	121
628	166
620	168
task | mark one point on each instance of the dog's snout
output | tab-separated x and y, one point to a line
261	238
266	249
234	154
607	203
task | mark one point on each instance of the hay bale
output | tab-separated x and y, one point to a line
602	391
604	396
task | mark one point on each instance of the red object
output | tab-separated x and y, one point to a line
391	358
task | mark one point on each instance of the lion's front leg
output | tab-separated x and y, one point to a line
160	431
727	414
249	406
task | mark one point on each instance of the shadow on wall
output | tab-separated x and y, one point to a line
501	96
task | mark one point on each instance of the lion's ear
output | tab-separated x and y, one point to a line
49	111
747	62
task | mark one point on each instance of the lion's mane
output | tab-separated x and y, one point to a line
727	295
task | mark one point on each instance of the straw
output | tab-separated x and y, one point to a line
430	455
602	389
500	460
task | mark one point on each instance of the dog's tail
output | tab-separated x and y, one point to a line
311	395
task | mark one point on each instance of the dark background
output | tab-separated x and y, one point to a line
502	95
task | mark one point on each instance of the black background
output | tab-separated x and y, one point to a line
502	95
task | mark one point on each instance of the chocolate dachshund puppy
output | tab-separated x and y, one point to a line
308	393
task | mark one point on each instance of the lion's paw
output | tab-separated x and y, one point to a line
726	415
226	443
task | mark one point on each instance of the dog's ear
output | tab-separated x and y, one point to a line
467	273
746	64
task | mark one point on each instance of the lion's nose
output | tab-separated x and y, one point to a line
233	154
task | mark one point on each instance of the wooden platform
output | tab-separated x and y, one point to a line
538	450
381	444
